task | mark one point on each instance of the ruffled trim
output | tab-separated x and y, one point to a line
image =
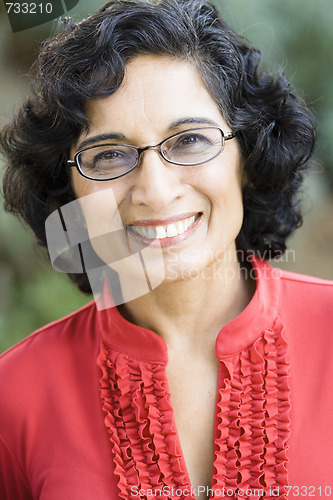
139	419
253	420
252	430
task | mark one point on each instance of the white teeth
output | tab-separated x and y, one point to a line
160	232
151	233
180	227
171	230
144	232
167	231
189	222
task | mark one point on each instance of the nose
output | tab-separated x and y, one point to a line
157	183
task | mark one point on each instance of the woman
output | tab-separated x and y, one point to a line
154	120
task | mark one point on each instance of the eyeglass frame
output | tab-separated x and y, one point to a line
157	147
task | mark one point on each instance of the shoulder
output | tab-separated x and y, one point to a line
306	301
299	300
48	351
60	331
307	287
305	280
276	281
44	381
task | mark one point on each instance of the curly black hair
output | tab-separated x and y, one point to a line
275	130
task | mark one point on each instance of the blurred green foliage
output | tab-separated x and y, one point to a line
294	34
31	293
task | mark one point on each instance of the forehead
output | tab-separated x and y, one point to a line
156	91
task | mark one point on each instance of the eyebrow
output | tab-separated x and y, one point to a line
114	135
193	119
99	138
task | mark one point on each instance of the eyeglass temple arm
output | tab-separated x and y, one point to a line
229	135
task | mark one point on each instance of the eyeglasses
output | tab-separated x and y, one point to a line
105	162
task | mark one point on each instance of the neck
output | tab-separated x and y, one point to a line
189	313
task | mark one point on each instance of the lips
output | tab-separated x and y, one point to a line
163	231
176	229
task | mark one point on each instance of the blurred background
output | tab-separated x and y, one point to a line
296	35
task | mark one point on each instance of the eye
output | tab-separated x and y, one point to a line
110	159
194	146
109	155
192	139
190	143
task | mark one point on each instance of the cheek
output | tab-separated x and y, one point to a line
222	185
81	186
99	201
100	216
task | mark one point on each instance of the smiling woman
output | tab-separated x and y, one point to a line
169	159
198	187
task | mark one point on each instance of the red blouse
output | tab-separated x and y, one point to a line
86	412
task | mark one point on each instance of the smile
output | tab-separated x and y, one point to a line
164	231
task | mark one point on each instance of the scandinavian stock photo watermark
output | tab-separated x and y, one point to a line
87	236
82	239
226	492
237	265
172	492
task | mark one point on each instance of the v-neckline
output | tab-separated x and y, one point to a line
215	432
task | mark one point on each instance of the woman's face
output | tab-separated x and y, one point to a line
158	98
